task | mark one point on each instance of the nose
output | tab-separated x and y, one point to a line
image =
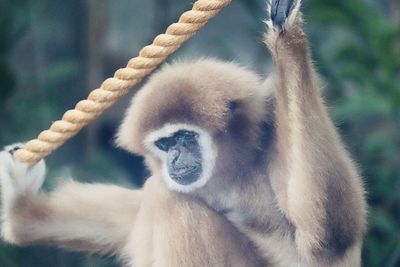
175	155
181	158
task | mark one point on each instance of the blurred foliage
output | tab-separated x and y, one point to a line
12	25
356	47
362	74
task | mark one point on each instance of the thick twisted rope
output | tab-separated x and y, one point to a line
112	88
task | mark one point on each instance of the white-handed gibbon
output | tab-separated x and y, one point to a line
244	172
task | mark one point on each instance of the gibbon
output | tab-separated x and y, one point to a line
244	172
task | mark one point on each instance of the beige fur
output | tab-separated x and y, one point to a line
187	92
283	192
85	217
177	230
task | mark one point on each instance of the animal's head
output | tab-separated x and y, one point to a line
194	120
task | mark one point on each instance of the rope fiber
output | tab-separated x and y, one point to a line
124	79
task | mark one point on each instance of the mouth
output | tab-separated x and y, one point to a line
186	176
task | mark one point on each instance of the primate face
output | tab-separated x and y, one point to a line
187	155
183	159
186	115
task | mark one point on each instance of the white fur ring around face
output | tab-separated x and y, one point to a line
208	153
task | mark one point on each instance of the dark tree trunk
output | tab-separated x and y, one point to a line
96	27
395	10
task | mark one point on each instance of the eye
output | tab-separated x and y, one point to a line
233	105
186	138
186	134
165	143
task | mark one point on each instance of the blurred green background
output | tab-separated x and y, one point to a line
52	52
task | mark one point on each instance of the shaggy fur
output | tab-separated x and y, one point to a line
283	190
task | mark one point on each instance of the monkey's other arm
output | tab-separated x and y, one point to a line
82	217
315	181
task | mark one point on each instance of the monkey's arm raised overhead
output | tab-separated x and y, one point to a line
315	181
81	217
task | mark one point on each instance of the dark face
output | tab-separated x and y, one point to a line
184	159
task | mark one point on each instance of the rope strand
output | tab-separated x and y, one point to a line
124	79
